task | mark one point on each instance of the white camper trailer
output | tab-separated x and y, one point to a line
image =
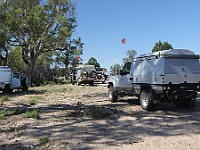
10	81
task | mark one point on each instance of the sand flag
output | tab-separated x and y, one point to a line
123	41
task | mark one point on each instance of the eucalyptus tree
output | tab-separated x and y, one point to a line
4	37
159	46
39	26
115	69
93	61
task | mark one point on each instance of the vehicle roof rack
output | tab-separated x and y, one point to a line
172	53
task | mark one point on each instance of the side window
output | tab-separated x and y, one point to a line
127	67
16	75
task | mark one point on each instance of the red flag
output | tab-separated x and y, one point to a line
79	58
123	41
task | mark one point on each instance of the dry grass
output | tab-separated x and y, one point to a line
82	117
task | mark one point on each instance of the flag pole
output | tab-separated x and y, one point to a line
125	48
124	42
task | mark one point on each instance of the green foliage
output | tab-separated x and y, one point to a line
13	129
159	46
12	112
32	114
33	102
96	112
61	119
4	99
131	54
93	61
115	69
38	27
15	60
35	98
2	114
101	113
43	140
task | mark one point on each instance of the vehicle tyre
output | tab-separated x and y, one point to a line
146	100
84	73
99	76
184	103
7	89
93	74
112	94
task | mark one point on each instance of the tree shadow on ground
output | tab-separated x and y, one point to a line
20	93
83	132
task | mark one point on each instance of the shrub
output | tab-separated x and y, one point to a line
96	112
33	102
2	114
4	98
43	140
32	114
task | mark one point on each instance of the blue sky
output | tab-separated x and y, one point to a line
103	23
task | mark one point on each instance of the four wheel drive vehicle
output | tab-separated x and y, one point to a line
164	76
10	81
101	76
84	74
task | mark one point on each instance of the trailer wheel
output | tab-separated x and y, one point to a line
112	94
146	100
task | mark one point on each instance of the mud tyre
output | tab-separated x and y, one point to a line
93	74
146	100
112	94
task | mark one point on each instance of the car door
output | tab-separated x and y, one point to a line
16	83
126	76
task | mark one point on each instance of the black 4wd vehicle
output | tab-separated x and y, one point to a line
84	74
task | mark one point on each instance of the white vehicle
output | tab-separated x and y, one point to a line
84	74
169	76
10	81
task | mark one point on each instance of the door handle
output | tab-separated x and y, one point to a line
130	78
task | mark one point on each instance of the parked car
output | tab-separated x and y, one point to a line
10	81
83	74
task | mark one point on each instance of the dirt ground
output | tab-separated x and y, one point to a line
65	122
